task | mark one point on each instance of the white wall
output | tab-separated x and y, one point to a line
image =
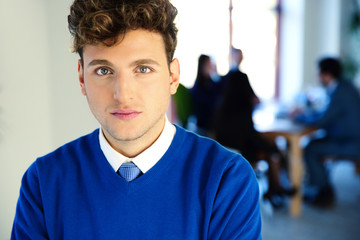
311	29
40	102
292	49
25	121
322	35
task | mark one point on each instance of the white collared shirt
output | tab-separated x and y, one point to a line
145	160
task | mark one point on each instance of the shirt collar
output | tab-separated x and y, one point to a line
145	160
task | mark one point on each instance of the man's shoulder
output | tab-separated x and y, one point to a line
235	73
207	149
71	149
213	161
235	79
346	86
192	139
346	91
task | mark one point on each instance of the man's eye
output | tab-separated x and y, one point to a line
144	70
102	71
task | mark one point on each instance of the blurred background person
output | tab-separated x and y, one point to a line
234	128
341	121
205	94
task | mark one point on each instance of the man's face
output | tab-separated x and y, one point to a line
128	87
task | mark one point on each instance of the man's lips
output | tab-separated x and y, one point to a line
125	114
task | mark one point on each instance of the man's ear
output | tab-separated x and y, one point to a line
81	77
174	75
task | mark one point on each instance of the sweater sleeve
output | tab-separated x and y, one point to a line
29	222
236	210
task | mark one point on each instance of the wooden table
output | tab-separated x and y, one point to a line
293	133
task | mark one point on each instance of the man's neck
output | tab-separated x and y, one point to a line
132	148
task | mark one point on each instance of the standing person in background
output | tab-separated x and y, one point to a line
138	176
234	127
234	124
205	93
341	121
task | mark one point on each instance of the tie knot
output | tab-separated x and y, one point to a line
129	171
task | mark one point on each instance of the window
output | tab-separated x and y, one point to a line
204	29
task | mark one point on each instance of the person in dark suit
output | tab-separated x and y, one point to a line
234	127
341	122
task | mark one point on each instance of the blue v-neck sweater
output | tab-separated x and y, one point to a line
197	190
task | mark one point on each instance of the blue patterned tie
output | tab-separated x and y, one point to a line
129	171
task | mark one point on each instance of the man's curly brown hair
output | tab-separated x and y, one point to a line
103	21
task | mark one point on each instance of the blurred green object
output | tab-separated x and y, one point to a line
183	104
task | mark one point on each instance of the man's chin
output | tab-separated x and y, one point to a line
127	135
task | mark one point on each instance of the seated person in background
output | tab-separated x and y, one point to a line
234	127
204	95
341	122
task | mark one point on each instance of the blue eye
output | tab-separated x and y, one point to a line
144	69
102	71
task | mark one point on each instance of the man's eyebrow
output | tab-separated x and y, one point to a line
145	61
99	62
134	63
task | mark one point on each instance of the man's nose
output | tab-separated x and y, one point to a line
123	89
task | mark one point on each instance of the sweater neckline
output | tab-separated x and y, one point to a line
108	173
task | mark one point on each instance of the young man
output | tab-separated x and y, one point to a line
138	176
